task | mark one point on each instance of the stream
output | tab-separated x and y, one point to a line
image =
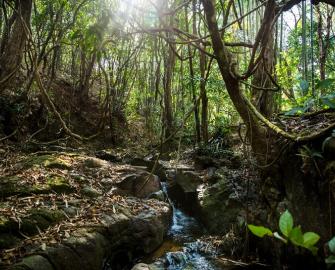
182	248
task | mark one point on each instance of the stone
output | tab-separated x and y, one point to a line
159	195
36	262
108	155
141	266
218	199
59	184
140	185
188	181
90	192
95	163
328	147
48	161
57	163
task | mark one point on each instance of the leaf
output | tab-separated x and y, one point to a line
310	239
331	245
286	223
260	231
330	260
304	85
324	84
294	111
296	236
328	100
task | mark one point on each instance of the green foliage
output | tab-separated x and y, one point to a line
290	233
286	223
260	231
331	258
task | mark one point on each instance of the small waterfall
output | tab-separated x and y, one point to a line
184	231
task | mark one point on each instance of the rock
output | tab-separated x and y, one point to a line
107	182
176	259
188	181
220	207
141	266
139	185
108	155
157	168
70	211
328	147
95	163
57	163
204	162
88	249
48	161
90	192
35	262
159	195
59	184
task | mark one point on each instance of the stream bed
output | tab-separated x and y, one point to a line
182	248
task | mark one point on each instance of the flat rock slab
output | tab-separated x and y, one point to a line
88	247
58	211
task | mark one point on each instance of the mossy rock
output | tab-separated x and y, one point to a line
10	186
219	198
39	219
48	161
8	241
59	184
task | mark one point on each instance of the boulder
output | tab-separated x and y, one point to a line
188	181
221	207
140	184
159	195
94	163
90	192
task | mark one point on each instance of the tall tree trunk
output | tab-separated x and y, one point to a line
204	98
264	99
324	43
193	86
13	50
85	76
168	76
225	63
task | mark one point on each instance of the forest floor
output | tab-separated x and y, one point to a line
47	196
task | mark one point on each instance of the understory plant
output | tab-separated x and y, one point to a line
289	233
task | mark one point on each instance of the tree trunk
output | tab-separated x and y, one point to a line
13	50
224	59
168	76
204	98
264	99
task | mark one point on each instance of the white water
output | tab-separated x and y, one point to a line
185	230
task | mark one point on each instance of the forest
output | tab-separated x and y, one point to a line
167	134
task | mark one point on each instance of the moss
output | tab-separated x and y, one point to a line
59	184
32	224
48	161
52	216
57	163
10	186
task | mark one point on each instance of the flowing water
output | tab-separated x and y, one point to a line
182	249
